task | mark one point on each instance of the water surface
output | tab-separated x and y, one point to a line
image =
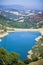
20	42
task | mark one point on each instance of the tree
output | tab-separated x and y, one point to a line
9	58
27	61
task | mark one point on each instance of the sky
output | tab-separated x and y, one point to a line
27	3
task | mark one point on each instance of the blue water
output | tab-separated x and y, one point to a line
20	42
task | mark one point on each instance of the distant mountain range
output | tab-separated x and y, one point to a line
14	12
19	15
17	7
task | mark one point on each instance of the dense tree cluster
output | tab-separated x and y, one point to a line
9	58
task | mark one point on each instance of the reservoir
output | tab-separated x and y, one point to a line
19	42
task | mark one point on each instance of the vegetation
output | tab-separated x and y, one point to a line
7	58
37	50
11	23
11	58
37	53
27	61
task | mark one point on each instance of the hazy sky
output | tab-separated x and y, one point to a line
26	3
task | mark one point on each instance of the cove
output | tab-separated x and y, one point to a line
19	42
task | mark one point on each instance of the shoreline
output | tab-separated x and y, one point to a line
3	34
41	31
23	30
38	38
